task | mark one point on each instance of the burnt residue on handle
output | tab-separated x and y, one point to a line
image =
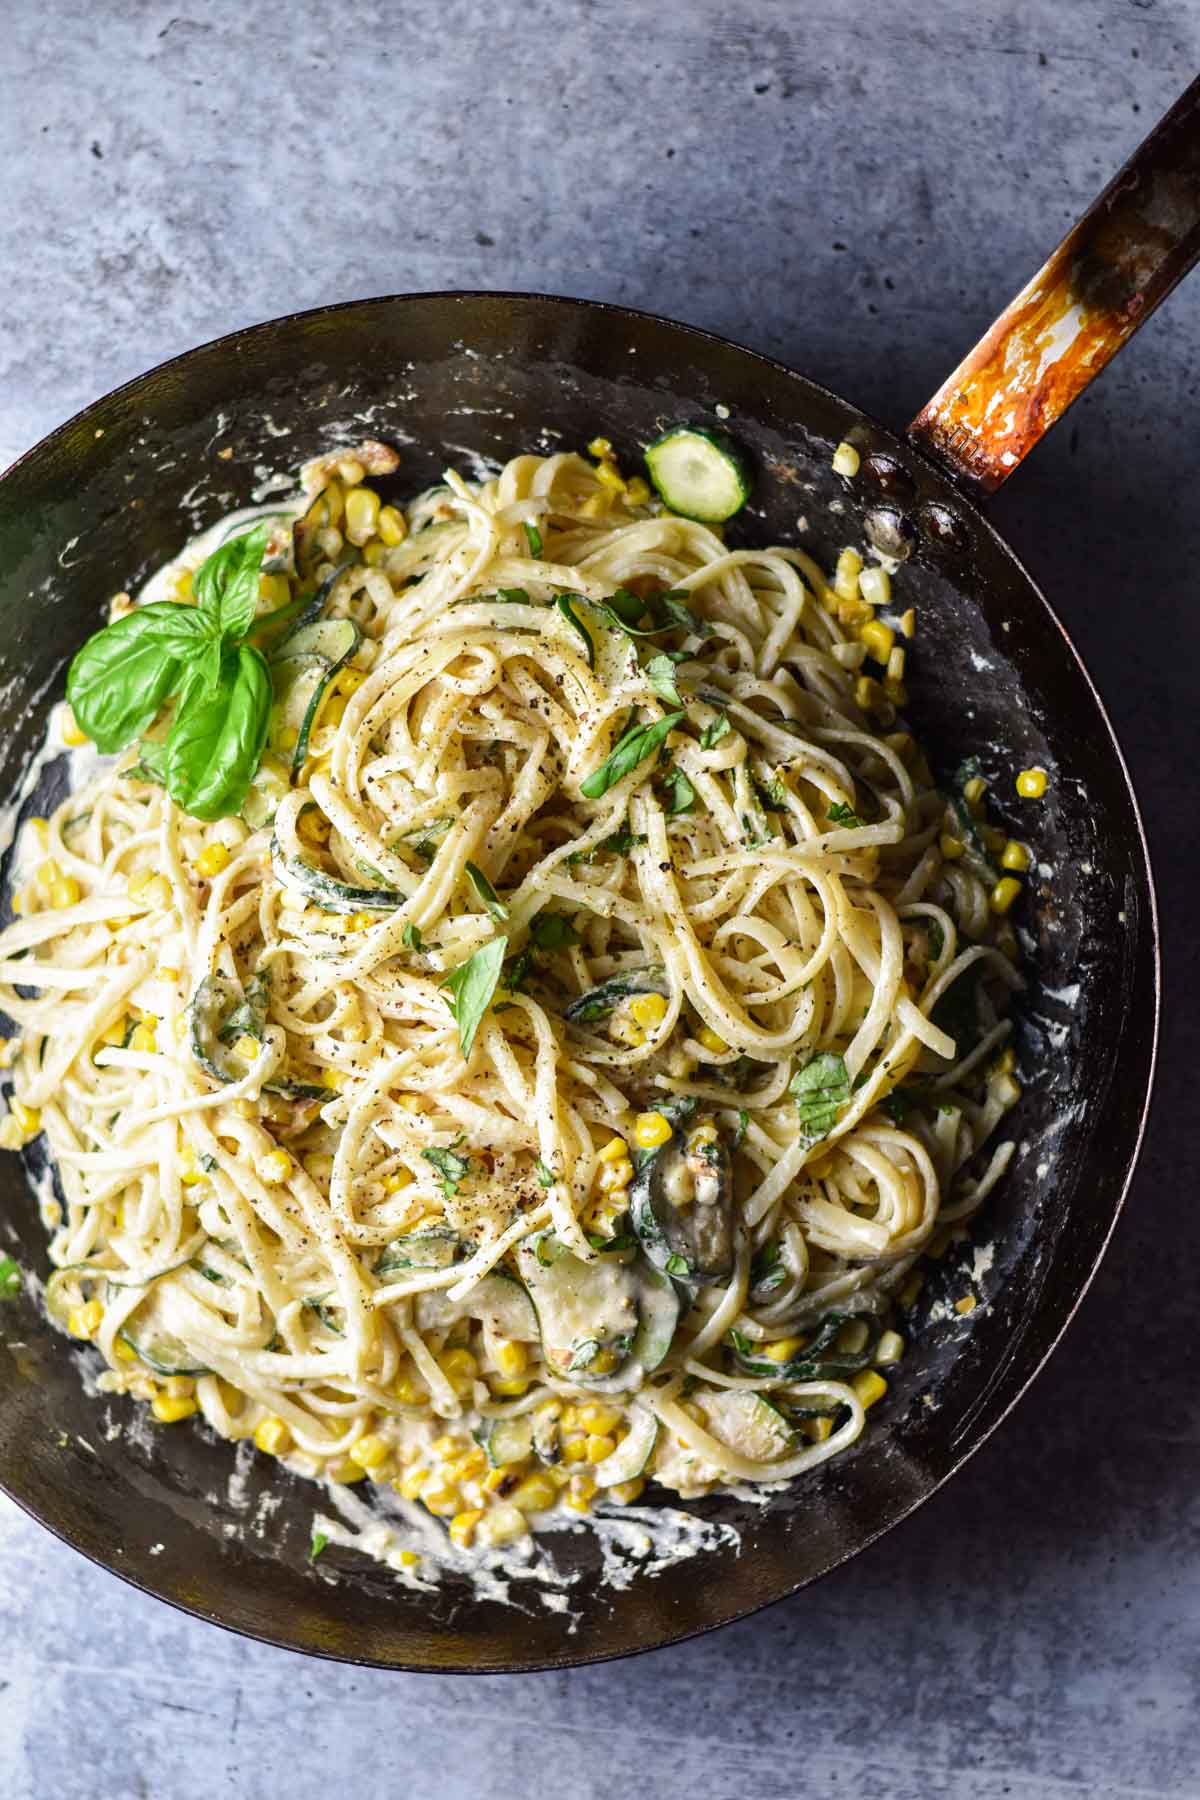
1131	247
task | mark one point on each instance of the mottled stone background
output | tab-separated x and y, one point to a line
855	186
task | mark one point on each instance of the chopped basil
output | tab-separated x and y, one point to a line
632	748
683	794
319	1541
411	938
513	596
422	840
533	538
493	905
472	986
743	1125
841	814
546	1177
565	607
452	1167
10	1278
820	1088
550	931
660	673
618	843
714	731
772	793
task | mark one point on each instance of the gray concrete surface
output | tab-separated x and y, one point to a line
854	186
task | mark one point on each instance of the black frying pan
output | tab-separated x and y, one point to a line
110	495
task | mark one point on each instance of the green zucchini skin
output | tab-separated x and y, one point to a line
819	1360
327	891
599	1002
302	669
693	1244
700	474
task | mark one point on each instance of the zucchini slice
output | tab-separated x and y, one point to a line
507	1440
598	1002
302	670
659	1315
820	1360
700	474
326	890
681	1206
632	1454
158	1348
498	1302
602	1323
420	1250
746	1422
219	1014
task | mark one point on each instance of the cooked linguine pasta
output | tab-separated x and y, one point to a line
549	1081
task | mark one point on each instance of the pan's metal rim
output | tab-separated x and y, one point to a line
980	1434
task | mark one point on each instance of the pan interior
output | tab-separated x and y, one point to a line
456	380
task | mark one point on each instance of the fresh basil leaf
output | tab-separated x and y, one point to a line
683	794
714	731
627	606
550	931
671	607
820	1088
226	583
533	538
217	738
516	972
493	905
743	1126
512	597
771	793
631	749
422	839
452	1167
617	843
546	1177
319	1541
10	1278
660	673
897	1105
410	937
121	679
471	987
841	814
937	938
563	603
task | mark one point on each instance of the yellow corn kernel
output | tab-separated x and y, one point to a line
614	1150
648	1009
879	639
1031	783
440	1500
637	491
462	1525
846	574
276	1166
71	733
467	1467
594	507
614	1176
895	669
711	1040
869	1387
535	1494
460	1369
1006	1090
702	1137
600	446
608	473
1015	856
600	1445
65	891
345	1471
503	1524
510	1357
782	1350
853	613
965	1305
575	1450
581	1491
817	1430
845	461
115	1034
48	873
597	1417
626	1492
650	1130
155	890
124	1352
409	1485
246	1047
393	526
362	514
1006	1062
908	623
1004	893
889	1349
875	586
27	1117
407	1391
370	1451
950	846
212	860
143	1040
272	1436
398	1179
334	1079
603	1363
85	1321
868	695
894	689
168	1410
509	1387
973	792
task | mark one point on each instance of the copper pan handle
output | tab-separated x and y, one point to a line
1105	279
